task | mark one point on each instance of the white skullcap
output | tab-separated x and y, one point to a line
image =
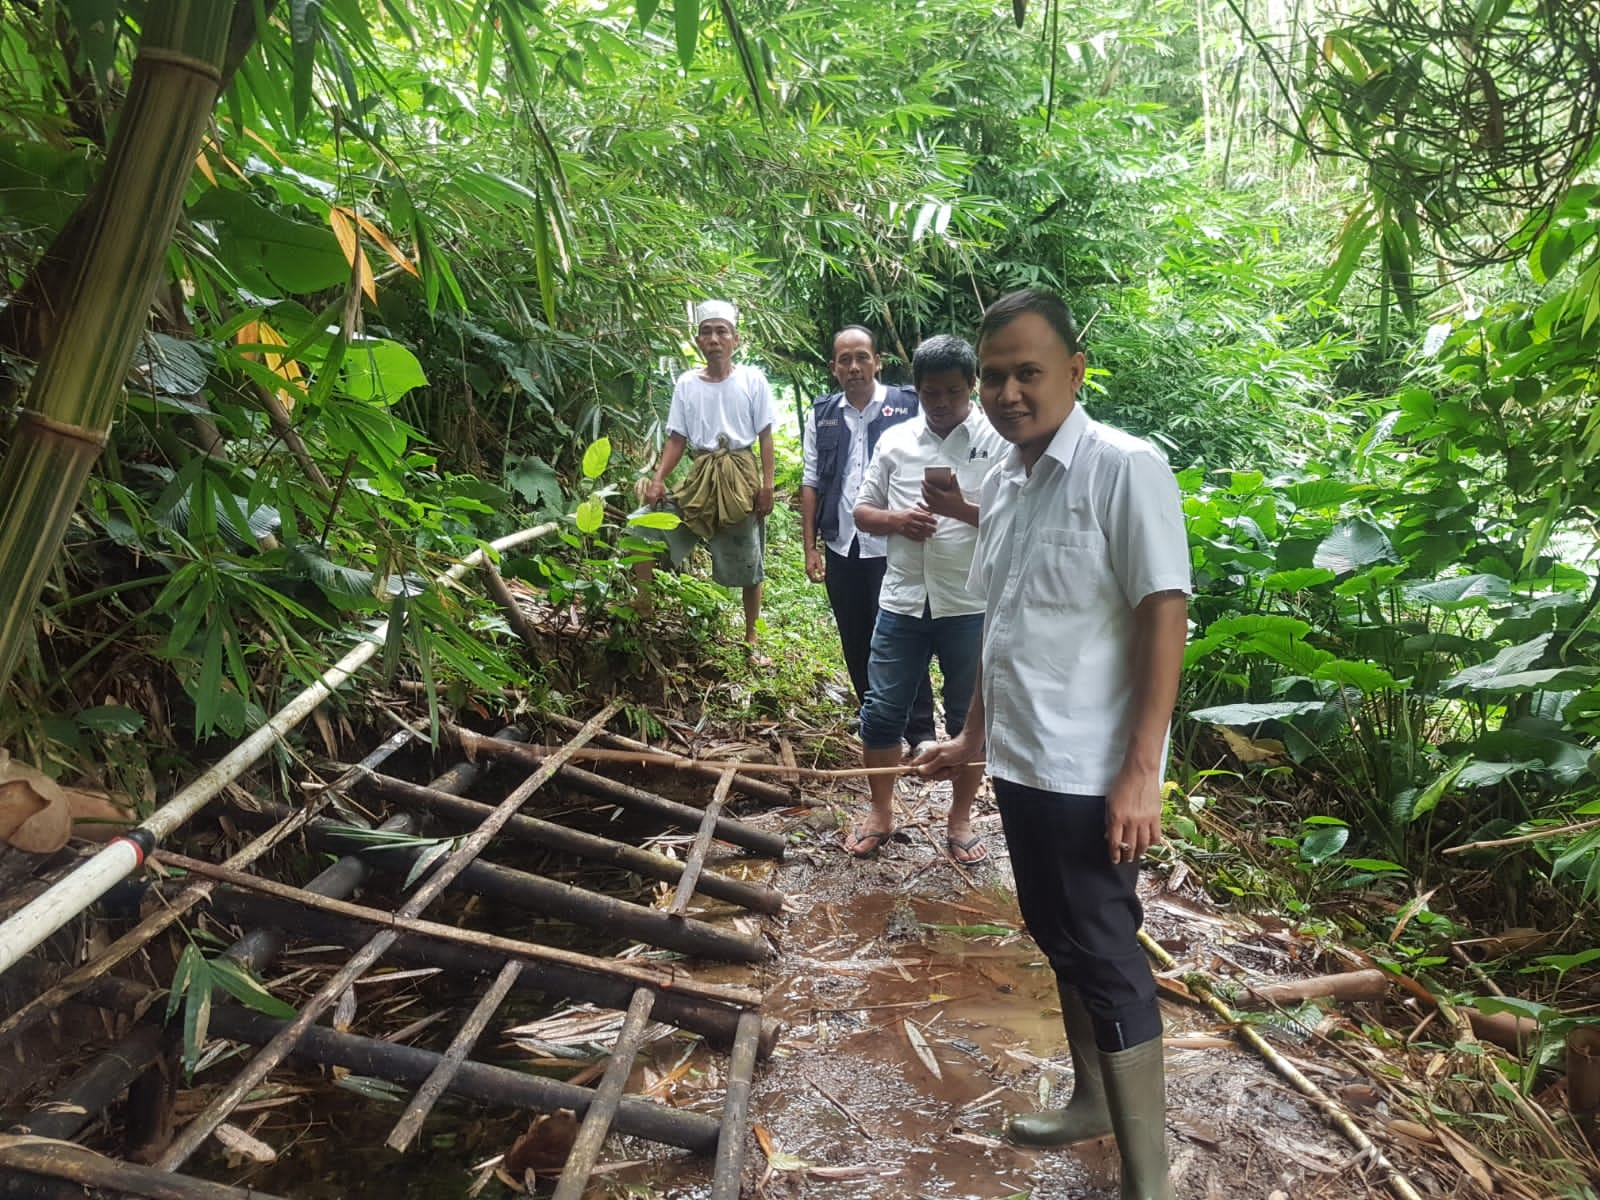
716	310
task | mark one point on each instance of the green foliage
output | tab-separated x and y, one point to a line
194	983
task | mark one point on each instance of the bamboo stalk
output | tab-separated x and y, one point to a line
696	861
607	1097
677	762
1399	1184
69	896
403	923
69	408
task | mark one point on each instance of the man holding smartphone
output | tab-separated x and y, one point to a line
919	492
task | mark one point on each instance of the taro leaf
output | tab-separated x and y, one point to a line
167	366
1481	774
1363	676
535	481
596	457
381	370
1292	653
1245	715
1322	841
1551	679
1561	762
1252	624
1322	493
590	514
1512	660
1461	591
1296	580
1353	544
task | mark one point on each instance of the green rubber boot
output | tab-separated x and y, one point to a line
1136	1094
1085	1115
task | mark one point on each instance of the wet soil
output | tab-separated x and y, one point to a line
879	956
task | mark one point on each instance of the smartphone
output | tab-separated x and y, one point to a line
939	476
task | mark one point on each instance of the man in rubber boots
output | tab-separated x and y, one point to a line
723	411
1084	568
920	492
841	432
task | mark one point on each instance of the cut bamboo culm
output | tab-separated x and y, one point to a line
607	1097
410	1122
69	407
696	861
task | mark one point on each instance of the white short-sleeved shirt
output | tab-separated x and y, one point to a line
1064	556
931	576
869	545
738	408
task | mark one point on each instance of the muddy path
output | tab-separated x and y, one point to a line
919	1018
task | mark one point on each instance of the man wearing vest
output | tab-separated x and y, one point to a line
841	433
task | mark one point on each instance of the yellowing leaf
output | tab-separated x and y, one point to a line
344	229
386	244
259	333
204	168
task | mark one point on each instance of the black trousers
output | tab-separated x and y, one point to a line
853	584
1081	909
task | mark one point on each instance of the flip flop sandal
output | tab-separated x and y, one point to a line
876	837
951	845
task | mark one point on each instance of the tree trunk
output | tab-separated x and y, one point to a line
110	279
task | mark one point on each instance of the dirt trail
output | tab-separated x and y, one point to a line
849	1107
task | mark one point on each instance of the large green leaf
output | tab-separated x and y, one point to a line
381	370
1243	715
1352	545
1513	660
267	251
1461	591
1563	763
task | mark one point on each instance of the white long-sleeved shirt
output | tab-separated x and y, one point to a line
931	576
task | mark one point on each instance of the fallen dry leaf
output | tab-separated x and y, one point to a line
37	813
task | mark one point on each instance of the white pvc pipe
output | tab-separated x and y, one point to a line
76	891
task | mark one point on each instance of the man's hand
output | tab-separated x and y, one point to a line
763	501
816	568
650	491
943	759
1133	814
917	524
943	497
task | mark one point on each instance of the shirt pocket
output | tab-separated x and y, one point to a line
1069	569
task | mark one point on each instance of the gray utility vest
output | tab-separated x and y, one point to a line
833	447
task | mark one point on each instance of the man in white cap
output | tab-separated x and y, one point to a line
723	413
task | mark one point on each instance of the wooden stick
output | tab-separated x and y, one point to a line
151	927
702	843
1538	835
591	1137
274	1052
644	977
1367	984
64	1160
725	1183
756	789
1337	1116
410	1122
515	617
655	758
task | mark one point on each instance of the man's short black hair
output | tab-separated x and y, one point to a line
872	338
1032	300
944	352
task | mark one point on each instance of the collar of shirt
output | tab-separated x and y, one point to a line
868	545
1062	449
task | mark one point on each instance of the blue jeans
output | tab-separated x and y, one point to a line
902	648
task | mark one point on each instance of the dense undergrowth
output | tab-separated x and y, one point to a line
430	286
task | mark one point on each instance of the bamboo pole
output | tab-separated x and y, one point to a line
726	1182
696	861
223	1103
69	408
753	896
1399	1184
607	1098
85	1168
69	896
